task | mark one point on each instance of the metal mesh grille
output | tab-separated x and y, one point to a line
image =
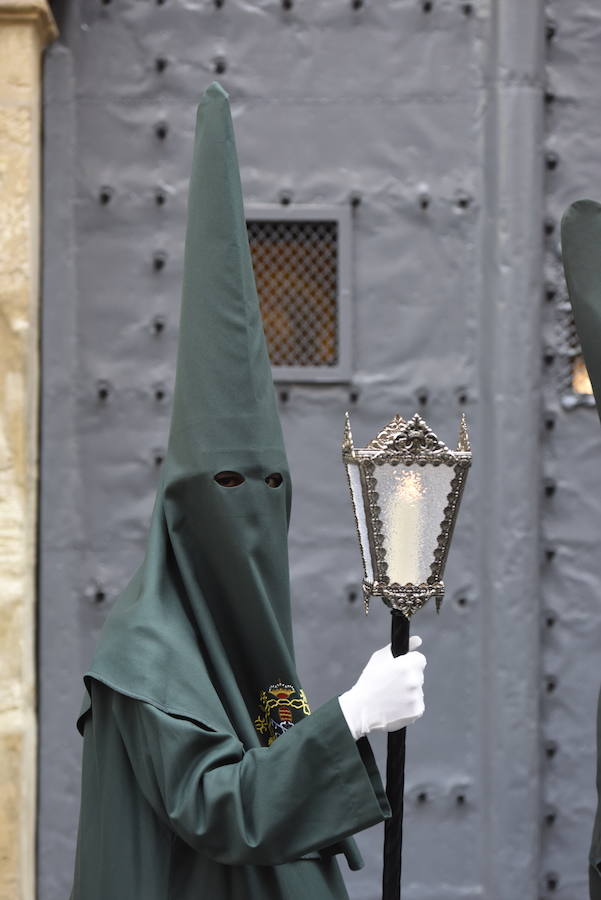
296	271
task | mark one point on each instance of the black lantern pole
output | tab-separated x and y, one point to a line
395	780
406	487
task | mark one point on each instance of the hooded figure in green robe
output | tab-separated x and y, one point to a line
204	776
581	251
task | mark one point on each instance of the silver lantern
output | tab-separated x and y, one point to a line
406	486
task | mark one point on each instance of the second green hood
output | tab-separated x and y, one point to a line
581	252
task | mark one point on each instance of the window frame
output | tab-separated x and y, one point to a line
342	371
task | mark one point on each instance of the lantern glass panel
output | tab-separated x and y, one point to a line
412	500
358	502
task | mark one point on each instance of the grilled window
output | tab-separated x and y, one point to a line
299	267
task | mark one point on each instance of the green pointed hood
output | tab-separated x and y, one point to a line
204	627
224	393
581	252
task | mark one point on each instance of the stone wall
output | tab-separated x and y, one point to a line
25	28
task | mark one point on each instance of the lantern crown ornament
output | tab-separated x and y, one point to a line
406	486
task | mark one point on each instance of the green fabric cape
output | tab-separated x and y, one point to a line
173	810
581	251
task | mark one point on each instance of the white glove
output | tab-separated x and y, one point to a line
388	694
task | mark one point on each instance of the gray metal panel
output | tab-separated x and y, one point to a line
434	119
509	482
65	632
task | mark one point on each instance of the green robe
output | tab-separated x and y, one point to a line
581	252
204	775
173	811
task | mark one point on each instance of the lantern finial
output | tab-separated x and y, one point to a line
463	444
347	441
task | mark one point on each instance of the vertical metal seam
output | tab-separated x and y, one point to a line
509	452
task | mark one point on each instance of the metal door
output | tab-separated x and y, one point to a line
426	120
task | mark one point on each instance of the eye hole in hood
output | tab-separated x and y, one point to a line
274	480
229	479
